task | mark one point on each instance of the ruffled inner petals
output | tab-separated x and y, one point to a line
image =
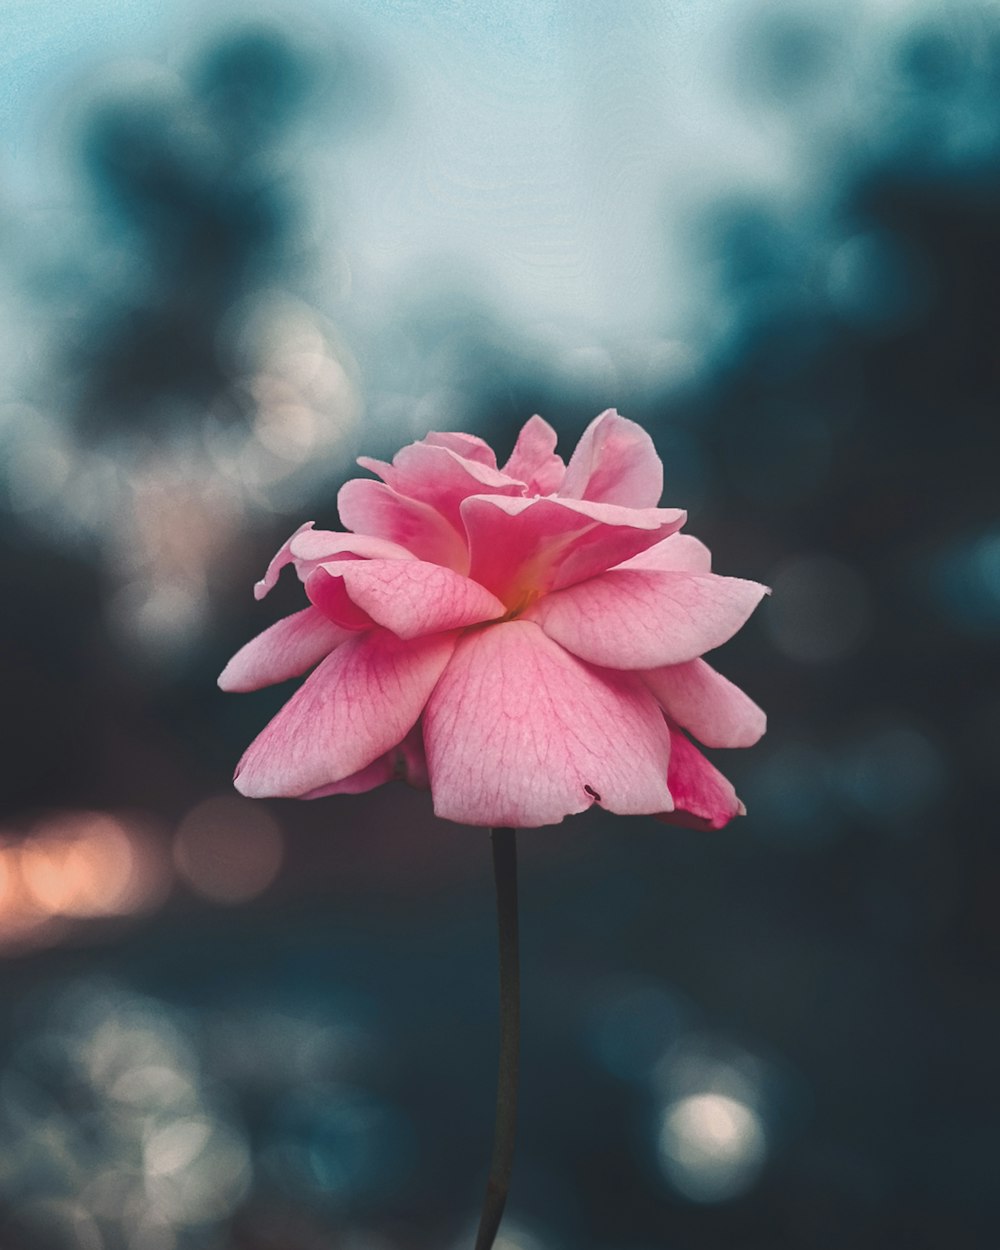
373	508
534	460
308	546
614	462
469	446
311	547
410	597
523	548
440	478
330	595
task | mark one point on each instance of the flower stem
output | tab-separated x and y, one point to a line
505	876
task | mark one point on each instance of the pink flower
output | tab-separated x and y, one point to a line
525	640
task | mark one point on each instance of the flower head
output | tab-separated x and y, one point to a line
524	640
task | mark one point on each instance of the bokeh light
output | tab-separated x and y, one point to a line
229	849
119	1072
81	865
23	923
712	1147
75	865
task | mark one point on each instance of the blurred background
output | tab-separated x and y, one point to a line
237	251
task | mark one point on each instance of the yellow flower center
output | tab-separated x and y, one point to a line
518	601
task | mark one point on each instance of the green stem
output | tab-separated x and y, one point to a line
505	876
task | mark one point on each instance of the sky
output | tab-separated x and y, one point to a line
552	151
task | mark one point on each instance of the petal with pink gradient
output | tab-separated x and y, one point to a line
470	446
644	618
375	774
410	597
614	462
280	558
534	461
680	553
440	478
372	508
311	547
703	798
520	733
285	649
359	703
307	546
329	594
707	704
522	548
405	762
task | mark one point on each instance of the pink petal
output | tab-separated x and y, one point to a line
520	733
707	704
534	460
405	762
281	557
286	649
373	508
632	618
521	548
360	702
330	595
409	597
467	445
614	462
703	798
375	774
312	547
308	546
442	479
679	553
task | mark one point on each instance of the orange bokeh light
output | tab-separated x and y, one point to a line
91	864
23	923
